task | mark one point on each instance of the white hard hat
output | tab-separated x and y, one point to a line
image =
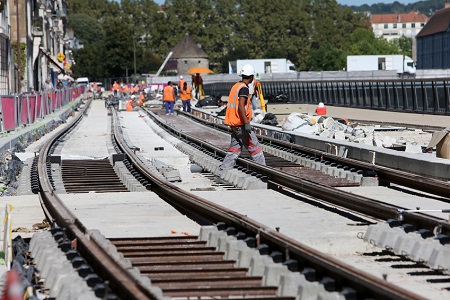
321	104
247	70
181	76
133	96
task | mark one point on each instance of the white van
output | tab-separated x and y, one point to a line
83	81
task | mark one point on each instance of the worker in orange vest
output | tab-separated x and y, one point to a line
186	94
321	110
180	85
126	90
115	88
238	116
141	98
130	103
169	98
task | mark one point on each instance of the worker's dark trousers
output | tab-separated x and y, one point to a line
239	138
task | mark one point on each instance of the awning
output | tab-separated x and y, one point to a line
50	59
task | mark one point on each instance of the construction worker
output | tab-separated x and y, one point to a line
238	117
169	98
321	110
126	90
115	88
198	85
130	103
141	98
186	94
180	85
121	90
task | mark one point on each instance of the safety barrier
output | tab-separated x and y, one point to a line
429	96
24	109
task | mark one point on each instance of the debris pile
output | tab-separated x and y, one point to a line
398	138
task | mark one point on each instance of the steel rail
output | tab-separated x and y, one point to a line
429	185
347	276
345	199
122	282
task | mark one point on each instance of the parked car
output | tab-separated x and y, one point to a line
82	81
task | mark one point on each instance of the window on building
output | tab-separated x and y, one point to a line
385	26
422	24
403	25
394	26
413	25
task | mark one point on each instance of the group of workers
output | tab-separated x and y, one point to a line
121	90
185	91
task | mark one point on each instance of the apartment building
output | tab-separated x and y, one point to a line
393	26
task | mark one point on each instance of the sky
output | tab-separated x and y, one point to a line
352	2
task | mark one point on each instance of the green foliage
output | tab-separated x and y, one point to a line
87	28
425	7
23	57
314	34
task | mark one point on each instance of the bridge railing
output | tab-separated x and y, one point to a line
430	96
23	109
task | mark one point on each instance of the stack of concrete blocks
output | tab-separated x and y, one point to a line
290	284
421	246
169	172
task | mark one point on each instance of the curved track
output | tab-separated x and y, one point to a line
291	252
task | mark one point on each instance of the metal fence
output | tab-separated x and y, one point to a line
22	109
429	96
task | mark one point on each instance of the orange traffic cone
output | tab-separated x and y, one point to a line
321	110
13	288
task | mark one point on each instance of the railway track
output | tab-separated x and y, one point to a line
278	179
294	255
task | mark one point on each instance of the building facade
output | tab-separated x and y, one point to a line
33	41
433	41
393	26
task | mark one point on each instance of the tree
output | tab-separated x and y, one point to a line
405	45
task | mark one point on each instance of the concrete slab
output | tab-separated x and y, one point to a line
26	212
338	235
140	214
89	140
401	199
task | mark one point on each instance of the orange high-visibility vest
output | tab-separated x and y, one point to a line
186	94
115	86
129	106
232	117
181	84
168	94
126	89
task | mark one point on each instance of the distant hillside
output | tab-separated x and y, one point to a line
427	7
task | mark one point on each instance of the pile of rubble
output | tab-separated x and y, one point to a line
398	138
